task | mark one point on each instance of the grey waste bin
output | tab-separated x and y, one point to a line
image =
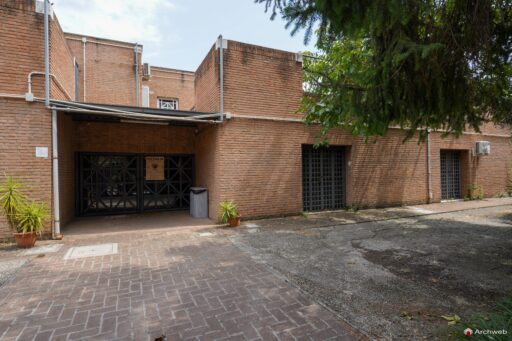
199	202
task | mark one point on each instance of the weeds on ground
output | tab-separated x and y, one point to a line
352	208
494	326
475	192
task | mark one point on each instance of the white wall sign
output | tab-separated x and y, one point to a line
42	152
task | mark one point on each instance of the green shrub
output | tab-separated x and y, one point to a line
500	318
475	192
228	211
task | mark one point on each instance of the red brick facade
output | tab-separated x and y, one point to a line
255	158
171	84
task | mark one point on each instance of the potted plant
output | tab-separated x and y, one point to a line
30	222
229	213
26	219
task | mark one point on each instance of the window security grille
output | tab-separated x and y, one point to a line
450	175
323	178
169	104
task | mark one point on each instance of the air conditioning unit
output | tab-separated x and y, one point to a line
483	148
146	70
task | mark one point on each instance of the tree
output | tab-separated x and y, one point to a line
439	64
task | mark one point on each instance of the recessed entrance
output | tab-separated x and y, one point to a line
129	183
450	174
323	178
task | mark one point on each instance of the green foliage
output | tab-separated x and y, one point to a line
475	192
12	199
352	208
228	211
500	318
32	217
452	319
502	195
414	64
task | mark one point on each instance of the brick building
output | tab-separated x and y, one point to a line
229	126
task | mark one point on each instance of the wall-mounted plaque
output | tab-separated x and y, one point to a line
155	168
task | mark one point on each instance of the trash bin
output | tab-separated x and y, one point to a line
199	202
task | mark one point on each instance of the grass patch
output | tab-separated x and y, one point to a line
500	318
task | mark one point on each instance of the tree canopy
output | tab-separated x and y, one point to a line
416	64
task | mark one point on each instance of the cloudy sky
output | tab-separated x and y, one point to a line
176	33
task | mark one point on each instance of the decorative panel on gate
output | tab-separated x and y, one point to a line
125	183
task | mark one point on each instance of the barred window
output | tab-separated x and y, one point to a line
167	103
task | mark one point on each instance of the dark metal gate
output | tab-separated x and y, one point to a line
118	183
450	174
323	178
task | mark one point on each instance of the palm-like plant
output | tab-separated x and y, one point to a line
32	217
228	211
12	199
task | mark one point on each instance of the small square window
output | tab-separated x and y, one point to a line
169	104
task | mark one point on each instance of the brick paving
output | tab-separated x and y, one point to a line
174	283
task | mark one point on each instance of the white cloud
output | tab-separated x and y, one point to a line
133	21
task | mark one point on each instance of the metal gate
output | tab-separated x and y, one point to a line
450	174
323	178
119	183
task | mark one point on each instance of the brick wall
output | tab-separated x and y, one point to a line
207	83
133	138
109	70
21	46
170	83
25	126
489	171
207	156
66	168
259	166
61	64
261	81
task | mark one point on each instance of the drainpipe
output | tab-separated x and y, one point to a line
55	160
136	66
429	167
221	75
84	41
55	174
46	58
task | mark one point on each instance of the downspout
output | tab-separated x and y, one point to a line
84	41
55	160
221	76
46	58
429	167
136	66
55	174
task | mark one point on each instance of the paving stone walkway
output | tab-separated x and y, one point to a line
182	283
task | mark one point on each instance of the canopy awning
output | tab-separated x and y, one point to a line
136	114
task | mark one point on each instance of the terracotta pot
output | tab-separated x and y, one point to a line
234	222
25	240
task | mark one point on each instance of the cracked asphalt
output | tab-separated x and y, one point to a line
393	277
